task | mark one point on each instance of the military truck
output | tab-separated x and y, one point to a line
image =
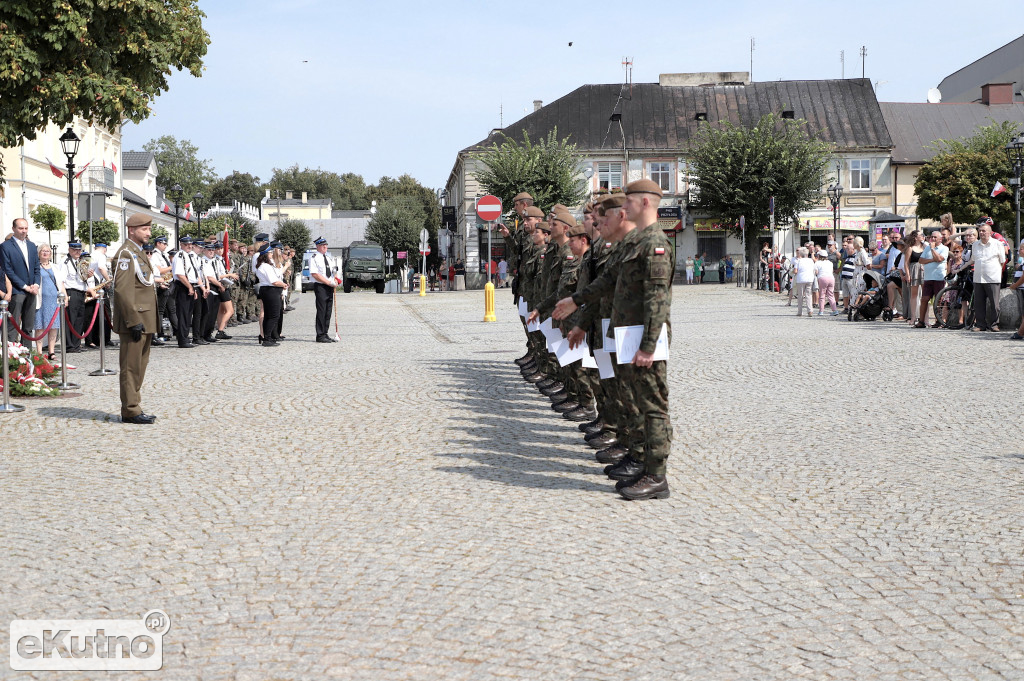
363	266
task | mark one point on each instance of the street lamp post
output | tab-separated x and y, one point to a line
1015	153
196	199
835	193
176	192
69	145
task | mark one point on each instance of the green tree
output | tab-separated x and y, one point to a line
50	218
294	233
548	169
237	186
346	192
179	163
960	177
396	225
417	198
158	230
103	61
738	169
103	232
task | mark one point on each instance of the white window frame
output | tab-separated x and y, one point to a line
606	173
863	170
666	168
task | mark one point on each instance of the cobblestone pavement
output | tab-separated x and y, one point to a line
401	505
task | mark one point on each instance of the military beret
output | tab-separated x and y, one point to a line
588	208
521	196
138	220
534	212
644	186
319	241
565	218
579	230
160	240
557	208
544	227
613	201
74	244
262	236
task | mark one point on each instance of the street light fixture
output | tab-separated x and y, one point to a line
835	193
1015	154
199	213
176	192
69	145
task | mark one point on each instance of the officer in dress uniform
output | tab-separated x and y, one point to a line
186	281
135	316
148	249
162	267
322	272
199	310
75	286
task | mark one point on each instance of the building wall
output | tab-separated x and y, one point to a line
308	211
1004	65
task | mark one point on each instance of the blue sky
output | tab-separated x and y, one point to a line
386	88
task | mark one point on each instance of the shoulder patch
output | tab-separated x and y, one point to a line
570	256
659	251
122	264
607	244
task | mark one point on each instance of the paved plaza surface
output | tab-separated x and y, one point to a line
846	504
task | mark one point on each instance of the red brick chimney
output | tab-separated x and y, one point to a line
997	93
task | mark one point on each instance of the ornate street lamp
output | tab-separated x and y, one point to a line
835	193
69	145
176	192
196	199
1015	153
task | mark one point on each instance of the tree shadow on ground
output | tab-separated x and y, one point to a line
510	433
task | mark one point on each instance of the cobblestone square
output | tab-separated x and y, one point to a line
846	504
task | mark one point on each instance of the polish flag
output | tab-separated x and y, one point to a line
998	190
79	173
188	211
57	172
164	207
113	166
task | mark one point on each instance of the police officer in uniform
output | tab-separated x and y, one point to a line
75	286
186	283
162	268
135	316
322	272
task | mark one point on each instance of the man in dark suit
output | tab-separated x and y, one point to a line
20	261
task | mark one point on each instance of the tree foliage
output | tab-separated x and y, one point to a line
959	179
103	232
738	169
396	225
243	187
346	192
424	200
548	169
179	163
103	61
49	217
294	233
158	230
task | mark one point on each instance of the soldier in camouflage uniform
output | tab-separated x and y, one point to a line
236	291
640	274
529	269
246	294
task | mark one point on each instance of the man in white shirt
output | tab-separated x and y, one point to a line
988	256
98	269
322	272
161	264
75	285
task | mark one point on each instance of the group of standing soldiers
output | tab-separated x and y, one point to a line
613	270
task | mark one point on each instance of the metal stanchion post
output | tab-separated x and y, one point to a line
62	301
6	407
101	320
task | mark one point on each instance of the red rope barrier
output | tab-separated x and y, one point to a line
29	338
71	328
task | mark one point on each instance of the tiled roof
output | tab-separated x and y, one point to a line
665	117
136	160
132	197
915	127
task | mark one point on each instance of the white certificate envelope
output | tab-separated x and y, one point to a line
523	312
533	326
608	338
604	364
555	346
627	342
661	349
552	334
589	362
567	355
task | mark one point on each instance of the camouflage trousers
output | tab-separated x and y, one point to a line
577	384
646	414
246	306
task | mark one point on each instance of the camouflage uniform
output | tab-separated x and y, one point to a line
236	259
566	268
246	295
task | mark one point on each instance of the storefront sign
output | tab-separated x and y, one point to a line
854	223
670	218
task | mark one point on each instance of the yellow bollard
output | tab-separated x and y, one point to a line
423	285
489	303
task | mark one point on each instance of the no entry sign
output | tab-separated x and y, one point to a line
488	207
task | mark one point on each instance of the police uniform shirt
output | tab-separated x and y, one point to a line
268	274
219	271
159	260
255	257
208	270
184	265
321	264
70	275
99	261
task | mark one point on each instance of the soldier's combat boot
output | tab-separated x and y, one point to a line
646	487
625	469
612	455
602	441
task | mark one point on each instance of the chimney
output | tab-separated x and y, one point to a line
997	93
304	197
287	196
538	104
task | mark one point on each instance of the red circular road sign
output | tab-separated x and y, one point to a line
488	207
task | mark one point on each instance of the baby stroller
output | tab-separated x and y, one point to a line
872	307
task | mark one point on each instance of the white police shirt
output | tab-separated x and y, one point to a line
322	264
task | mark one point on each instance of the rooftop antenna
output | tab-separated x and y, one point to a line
627	64
842	63
501	114
863	54
751	74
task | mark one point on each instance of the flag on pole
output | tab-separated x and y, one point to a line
164	207
188	211
57	172
113	166
999	189
227	261
79	173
